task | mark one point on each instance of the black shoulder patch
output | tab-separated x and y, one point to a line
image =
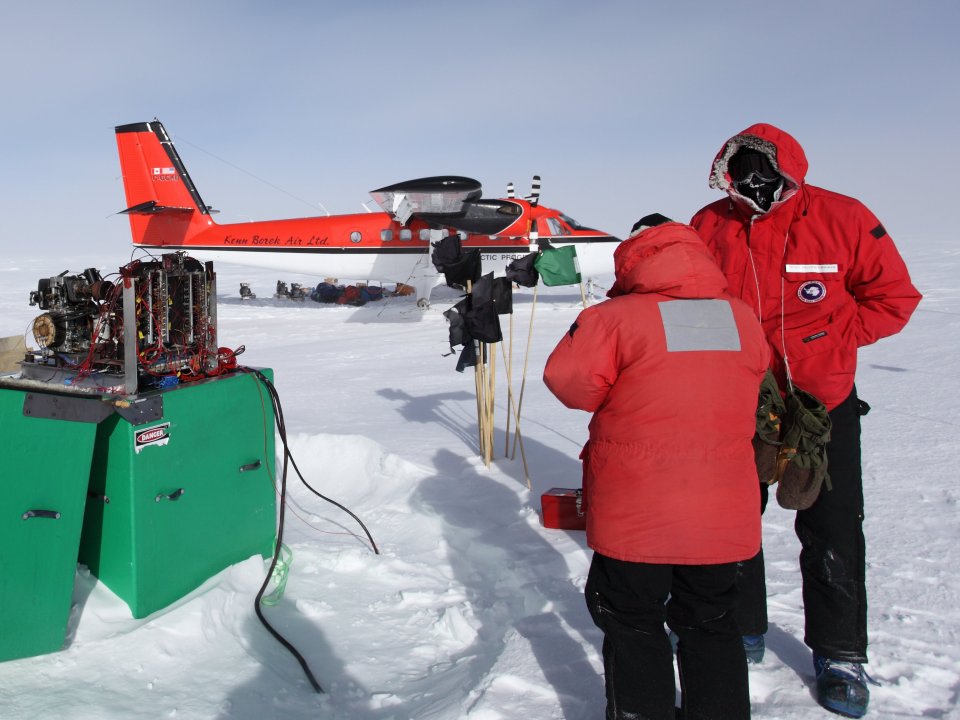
573	329
878	232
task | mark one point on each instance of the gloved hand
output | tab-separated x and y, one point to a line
766	441
802	460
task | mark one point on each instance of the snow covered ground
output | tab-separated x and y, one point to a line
473	609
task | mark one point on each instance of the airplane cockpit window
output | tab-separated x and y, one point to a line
555	228
572	223
387	235
406	234
356	236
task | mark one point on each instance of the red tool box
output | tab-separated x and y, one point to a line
562	509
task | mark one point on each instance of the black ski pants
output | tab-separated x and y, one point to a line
631	601
751	613
832	555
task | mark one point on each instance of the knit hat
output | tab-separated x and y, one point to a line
649	221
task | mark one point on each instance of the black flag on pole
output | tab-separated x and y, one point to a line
522	271
482	290
466	268
446	252
458	329
483	323
468	357
503	295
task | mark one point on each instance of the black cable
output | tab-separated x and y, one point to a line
320	495
287	455
281	429
288	458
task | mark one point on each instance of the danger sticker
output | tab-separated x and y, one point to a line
156	435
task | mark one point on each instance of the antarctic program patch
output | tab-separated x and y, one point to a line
812	291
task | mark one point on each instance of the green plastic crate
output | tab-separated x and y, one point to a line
176	500
46	467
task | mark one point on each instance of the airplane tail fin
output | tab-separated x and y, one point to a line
164	207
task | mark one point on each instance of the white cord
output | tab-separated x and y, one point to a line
783	334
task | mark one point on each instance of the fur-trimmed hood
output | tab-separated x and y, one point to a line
784	152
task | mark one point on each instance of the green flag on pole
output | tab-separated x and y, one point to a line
558	266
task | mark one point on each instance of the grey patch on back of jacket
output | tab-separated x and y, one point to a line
692	325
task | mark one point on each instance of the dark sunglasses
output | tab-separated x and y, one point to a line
747	165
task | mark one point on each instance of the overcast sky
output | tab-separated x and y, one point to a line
280	107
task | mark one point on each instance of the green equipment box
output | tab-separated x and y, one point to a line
46	468
175	500
154	496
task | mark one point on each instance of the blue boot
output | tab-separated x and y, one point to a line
841	686
754	646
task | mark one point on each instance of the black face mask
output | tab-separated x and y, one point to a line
754	177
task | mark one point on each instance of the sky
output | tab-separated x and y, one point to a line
287	109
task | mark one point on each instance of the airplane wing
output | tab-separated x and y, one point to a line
441	194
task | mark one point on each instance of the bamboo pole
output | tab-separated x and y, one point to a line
512	409
526	361
490	395
478	387
477	381
508	364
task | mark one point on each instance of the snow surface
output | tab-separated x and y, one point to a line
473	609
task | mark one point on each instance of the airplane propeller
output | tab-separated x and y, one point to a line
534	197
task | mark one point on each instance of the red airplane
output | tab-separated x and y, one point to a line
166	212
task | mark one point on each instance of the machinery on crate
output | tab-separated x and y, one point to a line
154	327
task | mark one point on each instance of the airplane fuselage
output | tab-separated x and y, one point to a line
363	246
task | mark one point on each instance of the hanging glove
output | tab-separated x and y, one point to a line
802	461
766	441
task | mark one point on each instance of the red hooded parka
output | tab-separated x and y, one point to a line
670	367
818	268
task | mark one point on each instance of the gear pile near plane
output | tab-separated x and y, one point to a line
329	292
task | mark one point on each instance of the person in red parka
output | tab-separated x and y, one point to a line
824	278
670	366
